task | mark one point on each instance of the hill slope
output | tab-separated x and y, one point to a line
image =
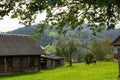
47	39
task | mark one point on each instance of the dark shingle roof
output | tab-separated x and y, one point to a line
18	45
116	42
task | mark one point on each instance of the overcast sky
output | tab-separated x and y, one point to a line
8	24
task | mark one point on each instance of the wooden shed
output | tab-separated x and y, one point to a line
51	61
116	44
19	53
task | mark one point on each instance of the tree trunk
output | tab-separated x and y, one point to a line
70	62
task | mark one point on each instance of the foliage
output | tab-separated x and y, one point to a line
79	57
100	71
67	48
101	48
108	48
95	13
108	58
90	55
50	48
98	50
54	34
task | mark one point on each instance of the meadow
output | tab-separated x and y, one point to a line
79	71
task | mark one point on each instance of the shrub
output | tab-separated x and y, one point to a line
90	55
108	58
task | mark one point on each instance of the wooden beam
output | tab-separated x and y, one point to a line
5	64
28	61
119	62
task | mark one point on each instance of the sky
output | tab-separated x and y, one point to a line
8	24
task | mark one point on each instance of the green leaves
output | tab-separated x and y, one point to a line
65	12
39	31
102	48
68	48
15	15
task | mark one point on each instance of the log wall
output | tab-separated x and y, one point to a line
17	64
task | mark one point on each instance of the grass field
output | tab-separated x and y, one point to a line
79	71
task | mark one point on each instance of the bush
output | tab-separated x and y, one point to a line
79	57
90	55
108	58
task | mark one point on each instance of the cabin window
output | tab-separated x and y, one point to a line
31	62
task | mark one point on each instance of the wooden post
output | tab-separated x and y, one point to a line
119	63
53	61
28	61
5	63
39	66
21	69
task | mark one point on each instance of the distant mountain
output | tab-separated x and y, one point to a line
87	34
45	39
112	34
24	30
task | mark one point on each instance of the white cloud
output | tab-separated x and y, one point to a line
8	24
118	25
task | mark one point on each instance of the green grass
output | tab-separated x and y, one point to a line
79	71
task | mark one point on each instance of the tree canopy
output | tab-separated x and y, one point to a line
95	13
67	49
102	49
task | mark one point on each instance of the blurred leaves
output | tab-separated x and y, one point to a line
95	13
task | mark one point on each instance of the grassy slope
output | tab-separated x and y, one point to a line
80	71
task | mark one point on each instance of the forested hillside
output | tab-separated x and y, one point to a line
49	36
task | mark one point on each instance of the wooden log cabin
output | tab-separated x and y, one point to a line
116	44
18	54
48	61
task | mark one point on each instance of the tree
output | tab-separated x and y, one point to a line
90	56
98	50
102	48
67	48
108	48
95	13
50	48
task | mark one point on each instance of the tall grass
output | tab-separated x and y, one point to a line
79	71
